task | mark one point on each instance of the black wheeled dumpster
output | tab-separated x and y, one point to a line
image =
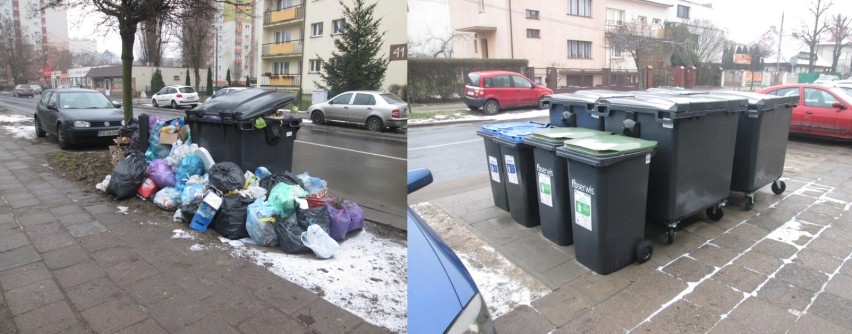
242	128
581	109
551	175
520	182
609	184
692	168
761	143
494	159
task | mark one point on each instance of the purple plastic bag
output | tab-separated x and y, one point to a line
161	173
153	120
356	215
340	222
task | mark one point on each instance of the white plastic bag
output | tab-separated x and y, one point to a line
320	242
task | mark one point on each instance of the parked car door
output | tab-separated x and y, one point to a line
798	113
41	108
524	89
338	108
51	115
361	107
161	96
821	117
501	88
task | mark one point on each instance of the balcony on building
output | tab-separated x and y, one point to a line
283	16
282	49
281	80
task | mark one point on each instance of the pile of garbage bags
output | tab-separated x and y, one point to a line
290	211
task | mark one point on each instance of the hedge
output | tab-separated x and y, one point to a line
442	80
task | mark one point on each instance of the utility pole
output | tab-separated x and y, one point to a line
216	57
778	56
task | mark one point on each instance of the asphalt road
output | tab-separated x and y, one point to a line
360	166
454	154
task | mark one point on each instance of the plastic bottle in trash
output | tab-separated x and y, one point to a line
261	172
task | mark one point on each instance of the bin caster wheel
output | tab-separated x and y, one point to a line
749	204
778	187
670	234
715	213
644	250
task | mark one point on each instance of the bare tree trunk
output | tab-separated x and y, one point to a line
127	32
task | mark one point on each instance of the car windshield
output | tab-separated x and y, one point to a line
84	100
847	90
186	90
390	98
473	79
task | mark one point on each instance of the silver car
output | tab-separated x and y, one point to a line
376	110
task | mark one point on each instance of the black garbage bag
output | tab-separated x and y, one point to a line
226	176
268	182
188	209
290	230
128	175
230	220
289	234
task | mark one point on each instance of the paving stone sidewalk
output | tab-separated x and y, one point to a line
783	267
70	263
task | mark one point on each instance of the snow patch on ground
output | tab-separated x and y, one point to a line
367	277
181	234
498	117
790	233
13	118
197	247
20	131
504	292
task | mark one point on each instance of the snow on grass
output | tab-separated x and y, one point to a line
21	131
181	234
498	117
13	118
367	277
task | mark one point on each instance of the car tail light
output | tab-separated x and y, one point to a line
179	95
479	91
395	113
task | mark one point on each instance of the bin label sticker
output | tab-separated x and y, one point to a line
289	133
545	191
668	124
595	116
647	158
583	209
494	169
511	171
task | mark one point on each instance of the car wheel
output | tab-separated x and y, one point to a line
491	107
62	137
39	132
317	117
374	124
472	108
174	104
154	103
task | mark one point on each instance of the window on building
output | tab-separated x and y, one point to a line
481	5
316	29
532	14
337	27
315	65
579	49
617	51
643	19
614	17
280	68
533	33
682	12
657	21
580	7
284	4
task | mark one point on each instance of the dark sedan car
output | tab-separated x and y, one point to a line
76	115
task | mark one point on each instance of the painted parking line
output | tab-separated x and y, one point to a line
442	145
351	150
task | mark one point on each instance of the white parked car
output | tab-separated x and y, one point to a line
376	110
175	96
226	91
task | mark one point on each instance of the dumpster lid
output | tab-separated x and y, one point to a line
698	100
759	101
245	104
608	146
591	96
496	128
566	133
517	134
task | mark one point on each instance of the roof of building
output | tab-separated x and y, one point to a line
105	72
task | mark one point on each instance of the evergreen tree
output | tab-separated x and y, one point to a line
209	81
248	82
357	62
157	81
228	77
188	83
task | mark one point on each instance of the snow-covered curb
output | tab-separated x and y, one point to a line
461	117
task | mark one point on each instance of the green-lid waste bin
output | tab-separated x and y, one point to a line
551	179
608	178
494	159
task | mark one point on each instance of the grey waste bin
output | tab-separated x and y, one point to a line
494	159
761	143
581	109
609	183
551	178
520	174
696	135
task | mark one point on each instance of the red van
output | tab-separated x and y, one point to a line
495	90
822	111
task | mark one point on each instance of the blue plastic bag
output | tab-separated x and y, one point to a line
155	150
167	199
189	166
260	223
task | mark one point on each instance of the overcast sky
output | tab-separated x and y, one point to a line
745	20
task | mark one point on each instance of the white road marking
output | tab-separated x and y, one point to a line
442	145
351	150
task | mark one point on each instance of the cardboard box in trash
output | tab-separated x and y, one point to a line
167	138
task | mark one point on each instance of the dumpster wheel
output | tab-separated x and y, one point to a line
644	250
778	187
715	213
749	204
670	234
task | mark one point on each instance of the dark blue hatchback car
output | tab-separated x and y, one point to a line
442	296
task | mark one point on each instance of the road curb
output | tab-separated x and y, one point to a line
459	121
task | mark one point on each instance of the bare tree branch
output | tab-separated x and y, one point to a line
811	34
840	33
636	38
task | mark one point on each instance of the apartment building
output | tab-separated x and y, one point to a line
295	34
686	10
567	34
235	48
83	45
642	12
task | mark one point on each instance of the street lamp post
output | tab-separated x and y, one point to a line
216	57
